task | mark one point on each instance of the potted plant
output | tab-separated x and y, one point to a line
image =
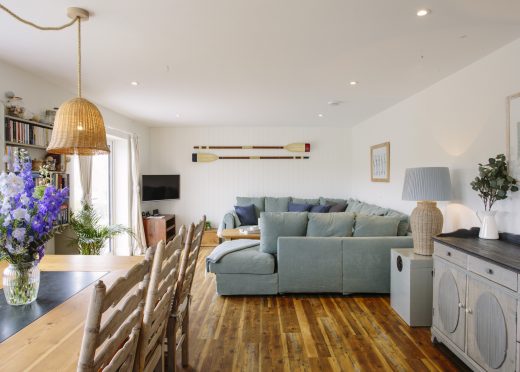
91	236
27	216
493	184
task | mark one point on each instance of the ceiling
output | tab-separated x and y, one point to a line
256	62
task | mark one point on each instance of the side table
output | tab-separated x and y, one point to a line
411	286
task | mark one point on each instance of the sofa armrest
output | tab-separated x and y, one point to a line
311	265
366	263
228	222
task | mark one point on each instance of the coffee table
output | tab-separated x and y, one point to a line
234	234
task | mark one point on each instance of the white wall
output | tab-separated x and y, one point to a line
211	188
458	122
39	95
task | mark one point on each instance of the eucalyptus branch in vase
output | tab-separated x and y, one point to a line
493	184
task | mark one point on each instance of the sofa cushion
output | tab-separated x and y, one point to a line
330	224
259	203
246	261
277	204
320	208
336	208
295	207
404	222
371	210
354	205
306	201
273	225
375	225
246	214
332	201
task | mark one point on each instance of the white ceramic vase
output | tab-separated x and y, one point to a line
488	229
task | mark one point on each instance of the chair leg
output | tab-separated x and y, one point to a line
185	341
170	331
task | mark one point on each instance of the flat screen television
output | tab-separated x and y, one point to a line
161	187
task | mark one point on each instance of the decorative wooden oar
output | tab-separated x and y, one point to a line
206	158
292	147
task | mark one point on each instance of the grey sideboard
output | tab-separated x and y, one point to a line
476	294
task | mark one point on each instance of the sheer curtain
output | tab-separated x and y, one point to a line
85	177
139	243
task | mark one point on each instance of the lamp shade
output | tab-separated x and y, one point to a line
78	129
427	183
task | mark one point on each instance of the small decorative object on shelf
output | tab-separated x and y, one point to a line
27	216
492	184
14	105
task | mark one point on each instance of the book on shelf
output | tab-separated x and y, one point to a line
27	134
63	215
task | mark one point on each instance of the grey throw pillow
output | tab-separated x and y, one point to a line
306	201
336	208
277	204
330	224
375	226
404	222
274	225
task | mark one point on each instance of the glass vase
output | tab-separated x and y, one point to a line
21	283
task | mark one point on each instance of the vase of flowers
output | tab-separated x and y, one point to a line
493	184
27	216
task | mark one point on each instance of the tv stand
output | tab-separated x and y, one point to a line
157	228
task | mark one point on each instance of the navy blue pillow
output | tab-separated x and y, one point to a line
320	208
246	215
295	207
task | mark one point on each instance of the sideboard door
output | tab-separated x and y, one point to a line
491	317
449	302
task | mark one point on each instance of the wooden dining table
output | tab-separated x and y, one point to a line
52	342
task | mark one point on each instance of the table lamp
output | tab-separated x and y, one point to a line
426	185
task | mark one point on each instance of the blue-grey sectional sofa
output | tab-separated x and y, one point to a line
302	252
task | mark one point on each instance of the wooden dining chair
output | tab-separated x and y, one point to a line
161	289
178	325
110	336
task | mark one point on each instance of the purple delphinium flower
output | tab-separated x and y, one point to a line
26	220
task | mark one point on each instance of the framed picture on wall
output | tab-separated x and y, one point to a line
513	134
380	162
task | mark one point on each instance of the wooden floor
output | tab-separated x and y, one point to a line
304	333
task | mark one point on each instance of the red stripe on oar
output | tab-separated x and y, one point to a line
307	147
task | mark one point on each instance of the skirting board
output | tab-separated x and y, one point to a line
437	336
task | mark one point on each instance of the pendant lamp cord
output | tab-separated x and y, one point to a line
44	28
54	28
79	56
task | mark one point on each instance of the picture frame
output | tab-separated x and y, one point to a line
380	162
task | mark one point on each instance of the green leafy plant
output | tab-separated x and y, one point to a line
90	235
494	181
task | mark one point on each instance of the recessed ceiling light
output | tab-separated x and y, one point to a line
177	116
353	82
320	115
134	83
423	12
335	103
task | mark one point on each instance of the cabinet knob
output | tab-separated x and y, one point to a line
448	254
469	311
489	271
461	305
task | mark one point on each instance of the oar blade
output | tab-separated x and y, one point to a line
298	147
203	157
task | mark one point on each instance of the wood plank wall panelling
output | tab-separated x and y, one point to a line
305	333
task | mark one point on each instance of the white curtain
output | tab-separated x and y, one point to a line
139	243
85	177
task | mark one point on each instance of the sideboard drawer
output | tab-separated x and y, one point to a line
493	272
450	254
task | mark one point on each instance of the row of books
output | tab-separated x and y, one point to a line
63	215
27	134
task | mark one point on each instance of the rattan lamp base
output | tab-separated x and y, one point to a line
426	222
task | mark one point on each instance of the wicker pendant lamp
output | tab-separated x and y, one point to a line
78	126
